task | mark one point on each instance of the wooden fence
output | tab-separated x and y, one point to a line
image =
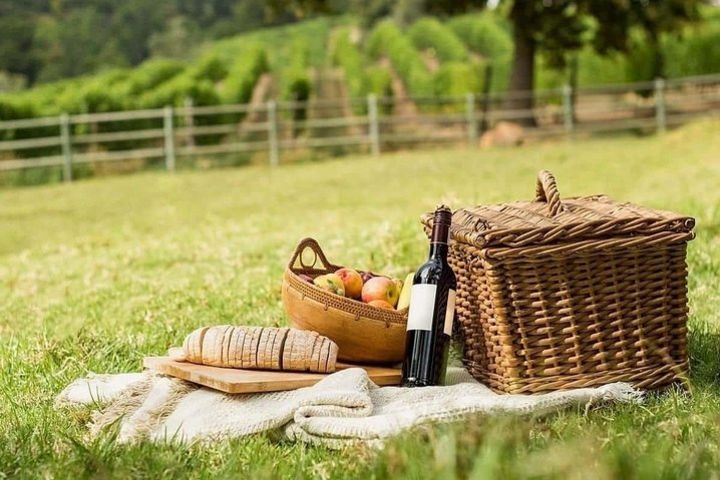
268	131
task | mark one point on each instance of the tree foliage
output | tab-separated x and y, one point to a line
46	40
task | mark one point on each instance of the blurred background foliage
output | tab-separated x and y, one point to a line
81	56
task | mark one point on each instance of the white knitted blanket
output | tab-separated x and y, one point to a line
343	408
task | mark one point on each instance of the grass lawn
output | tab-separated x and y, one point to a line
97	274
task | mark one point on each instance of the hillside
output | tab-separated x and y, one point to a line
429	58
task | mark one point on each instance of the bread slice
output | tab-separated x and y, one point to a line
324	354
237	336
278	349
265	348
257	336
227	338
208	346
332	357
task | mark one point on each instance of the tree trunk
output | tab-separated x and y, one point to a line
522	76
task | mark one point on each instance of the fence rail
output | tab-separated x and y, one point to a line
371	125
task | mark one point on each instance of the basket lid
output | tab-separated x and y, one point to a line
550	220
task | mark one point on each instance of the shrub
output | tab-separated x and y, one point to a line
595	69
696	53
458	78
294	78
429	33
243	75
44	98
14	109
150	74
100	93
176	91
379	81
483	34
348	56
210	67
387	40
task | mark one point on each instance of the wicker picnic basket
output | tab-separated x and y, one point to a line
558	294
363	333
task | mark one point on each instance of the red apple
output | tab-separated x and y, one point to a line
352	281
305	277
381	304
380	288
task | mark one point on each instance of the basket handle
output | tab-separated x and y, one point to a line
546	191
312	244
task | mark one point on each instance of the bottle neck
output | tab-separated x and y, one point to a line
439	250
440	234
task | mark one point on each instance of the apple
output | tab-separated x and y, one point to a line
380	288
352	281
381	304
331	283
305	277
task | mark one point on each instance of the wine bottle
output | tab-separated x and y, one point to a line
432	309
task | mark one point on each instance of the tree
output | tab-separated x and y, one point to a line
558	28
16	40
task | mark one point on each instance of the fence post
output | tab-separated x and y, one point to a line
373	127
169	135
66	145
568	109
660	107
189	122
273	132
472	131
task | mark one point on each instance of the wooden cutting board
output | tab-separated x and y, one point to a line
233	380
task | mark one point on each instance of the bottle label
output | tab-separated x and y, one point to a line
450	313
422	306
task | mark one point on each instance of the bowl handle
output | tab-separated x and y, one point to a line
297	258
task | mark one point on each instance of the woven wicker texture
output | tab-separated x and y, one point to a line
547	220
363	333
556	294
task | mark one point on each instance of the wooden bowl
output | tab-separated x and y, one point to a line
363	333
